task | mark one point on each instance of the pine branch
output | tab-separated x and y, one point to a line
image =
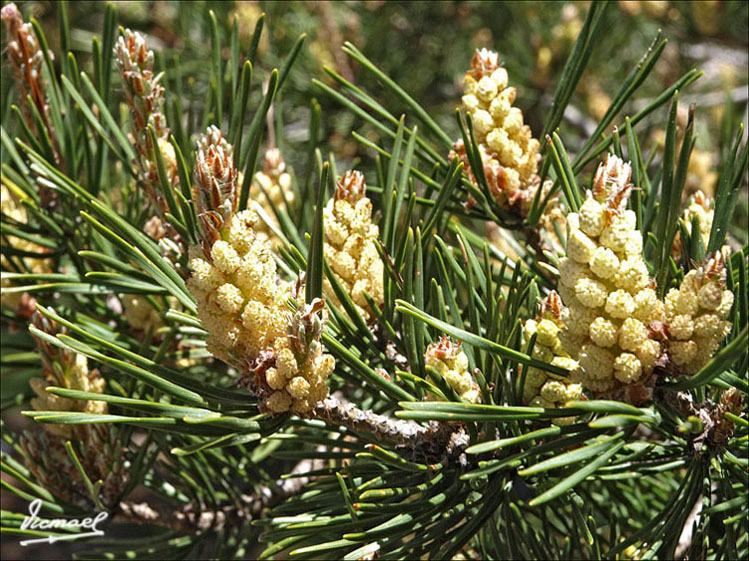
188	520
609	421
429	441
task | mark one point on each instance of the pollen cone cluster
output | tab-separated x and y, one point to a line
145	96
451	363
15	213
139	312
62	368
271	190
695	316
542	389
240	301
97	445
508	151
350	250
701	207
608	293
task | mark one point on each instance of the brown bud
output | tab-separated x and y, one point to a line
444	349
483	63
351	186
215	190
552	304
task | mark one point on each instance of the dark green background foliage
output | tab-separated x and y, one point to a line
218	449
425	47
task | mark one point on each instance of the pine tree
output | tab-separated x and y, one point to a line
479	347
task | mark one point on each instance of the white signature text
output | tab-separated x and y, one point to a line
33	522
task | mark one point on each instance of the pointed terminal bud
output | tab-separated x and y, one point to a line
483	63
215	189
552	305
611	183
444	349
306	326
133	55
351	187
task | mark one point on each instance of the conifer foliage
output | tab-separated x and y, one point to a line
480	347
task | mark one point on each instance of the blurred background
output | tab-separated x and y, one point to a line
426	47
